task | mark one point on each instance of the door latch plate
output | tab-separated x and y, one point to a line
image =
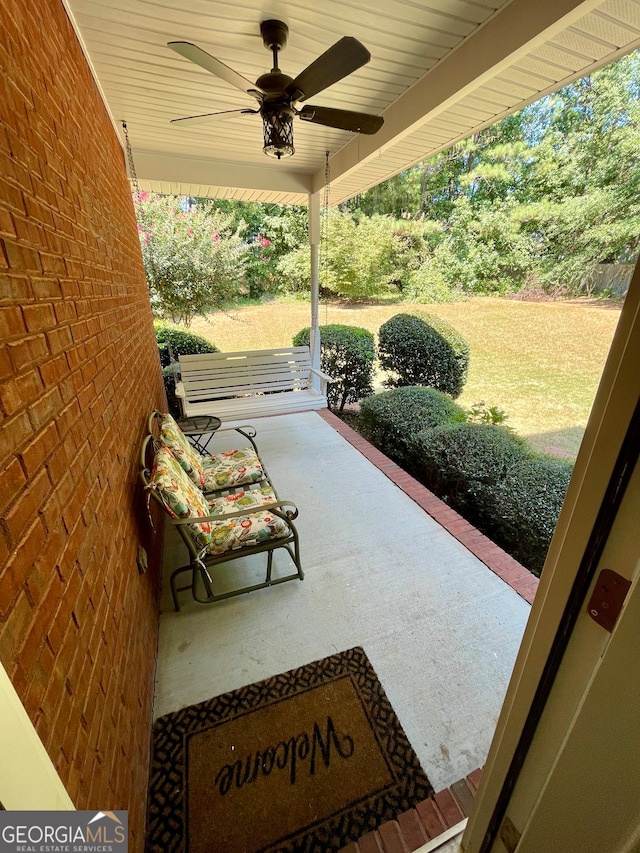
608	597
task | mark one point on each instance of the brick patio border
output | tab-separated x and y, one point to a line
502	564
430	818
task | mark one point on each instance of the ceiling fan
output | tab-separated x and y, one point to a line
277	94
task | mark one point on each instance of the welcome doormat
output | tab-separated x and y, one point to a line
300	763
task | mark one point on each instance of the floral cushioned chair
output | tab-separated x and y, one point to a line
210	472
220	527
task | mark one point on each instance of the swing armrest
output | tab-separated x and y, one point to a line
277	507
324	379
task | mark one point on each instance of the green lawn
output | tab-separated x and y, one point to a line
538	361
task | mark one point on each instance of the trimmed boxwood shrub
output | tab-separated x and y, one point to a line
420	349
527	505
347	354
461	461
488	474
181	341
170	390
494	479
392	419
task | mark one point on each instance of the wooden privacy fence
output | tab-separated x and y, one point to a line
613	277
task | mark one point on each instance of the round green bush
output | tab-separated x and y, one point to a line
527	505
169	378
461	461
347	354
494	479
175	340
392	419
420	349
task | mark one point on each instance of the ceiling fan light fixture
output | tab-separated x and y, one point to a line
277	94
277	128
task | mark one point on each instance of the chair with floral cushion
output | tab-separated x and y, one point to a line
217	528
211	472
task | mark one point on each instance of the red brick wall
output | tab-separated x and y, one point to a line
79	373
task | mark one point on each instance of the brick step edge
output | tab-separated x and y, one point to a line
429	819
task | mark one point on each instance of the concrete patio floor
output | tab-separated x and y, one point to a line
439	627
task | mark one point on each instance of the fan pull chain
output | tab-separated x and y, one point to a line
132	166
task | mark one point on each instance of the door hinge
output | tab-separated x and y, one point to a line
509	835
608	597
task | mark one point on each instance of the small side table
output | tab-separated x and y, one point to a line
197	426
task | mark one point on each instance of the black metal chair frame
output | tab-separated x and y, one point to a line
201	562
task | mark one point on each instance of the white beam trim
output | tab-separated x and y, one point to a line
191	170
513	32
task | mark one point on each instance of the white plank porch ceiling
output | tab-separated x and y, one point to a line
439	71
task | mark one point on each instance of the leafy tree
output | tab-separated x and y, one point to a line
270	231
194	259
577	234
543	196
284	224
584	204
358	262
484	250
547	193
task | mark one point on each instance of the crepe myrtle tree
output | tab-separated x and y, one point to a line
194	259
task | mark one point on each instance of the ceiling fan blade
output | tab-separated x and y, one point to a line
196	54
342	119
343	58
206	116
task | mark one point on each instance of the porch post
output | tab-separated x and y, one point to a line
314	245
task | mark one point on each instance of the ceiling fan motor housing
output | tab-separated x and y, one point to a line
274	84
274	34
